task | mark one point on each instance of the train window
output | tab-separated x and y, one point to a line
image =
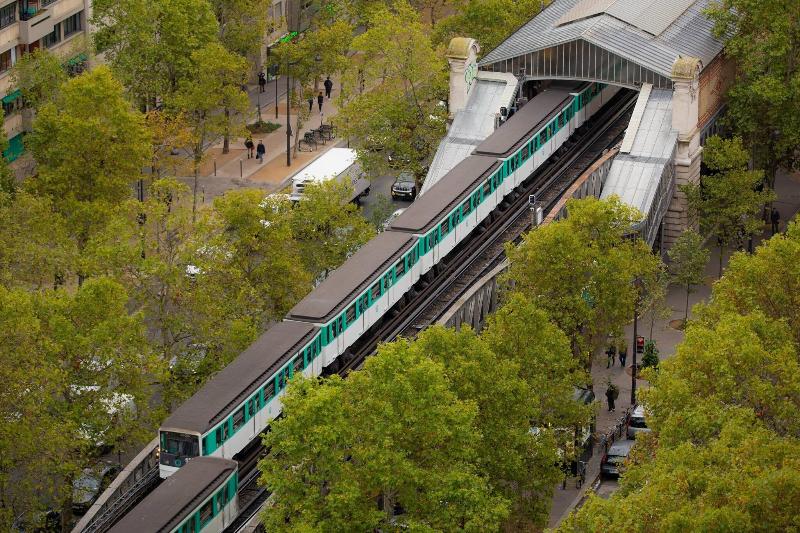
269	391
206	513
351	314
297	364
223	432
375	292
445	227
525	152
251	408
400	268
560	121
430	240
487	188
238	418
466	208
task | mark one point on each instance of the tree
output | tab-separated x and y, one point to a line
168	133
39	77
580	270
727	202
763	99
488	21
35	246
8	182
746	480
766	281
399	113
242	25
355	459
149	43
327	228
688	266
212	101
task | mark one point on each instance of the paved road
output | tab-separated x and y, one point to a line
381	188
607	488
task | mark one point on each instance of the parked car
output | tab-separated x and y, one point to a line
404	186
637	423
87	487
613	463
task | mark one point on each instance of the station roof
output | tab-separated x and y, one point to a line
651	33
647	152
472	124
177	496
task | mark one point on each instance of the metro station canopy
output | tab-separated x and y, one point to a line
622	42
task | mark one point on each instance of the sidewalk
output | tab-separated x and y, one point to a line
222	172
667	338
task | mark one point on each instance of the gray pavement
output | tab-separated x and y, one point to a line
666	338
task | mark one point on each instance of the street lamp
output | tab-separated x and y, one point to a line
637	283
288	113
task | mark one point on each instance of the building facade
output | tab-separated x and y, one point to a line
60	26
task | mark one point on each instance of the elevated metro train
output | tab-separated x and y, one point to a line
236	405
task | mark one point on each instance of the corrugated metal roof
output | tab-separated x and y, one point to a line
686	31
585	9
635	176
472	124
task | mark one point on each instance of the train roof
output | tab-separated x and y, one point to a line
525	122
241	378
177	497
352	278
429	208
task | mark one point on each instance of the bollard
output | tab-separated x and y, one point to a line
241	171
215	168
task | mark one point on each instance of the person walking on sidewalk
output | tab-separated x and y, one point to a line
260	151
611	352
320	99
262	82
328	86
775	218
310	103
611	395
250	146
623	353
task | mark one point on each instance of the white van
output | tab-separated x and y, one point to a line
336	163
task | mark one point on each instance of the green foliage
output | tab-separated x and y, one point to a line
490	22
650	355
391	434
8	182
767	281
688	262
39	76
390	105
242	25
762	103
327	228
728	204
381	211
580	270
150	43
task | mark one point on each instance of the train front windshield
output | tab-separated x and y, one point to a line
177	448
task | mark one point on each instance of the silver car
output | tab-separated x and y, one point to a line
613	463
637	423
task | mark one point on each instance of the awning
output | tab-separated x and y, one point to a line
16	146
10	97
78	59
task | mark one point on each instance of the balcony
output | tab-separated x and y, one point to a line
35	25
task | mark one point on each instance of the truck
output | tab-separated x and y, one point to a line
336	163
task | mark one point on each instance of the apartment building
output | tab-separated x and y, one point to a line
26	25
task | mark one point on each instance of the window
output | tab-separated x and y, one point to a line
467	207
206	512
251	407
297	364
269	392
445	227
223	432
400	268
53	38
487	188
238	418
8	15
73	24
350	315
5	61
375	292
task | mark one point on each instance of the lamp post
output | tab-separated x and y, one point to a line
637	283
288	114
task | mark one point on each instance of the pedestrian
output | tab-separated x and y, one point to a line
260	151
310	103
328	86
250	146
262	82
623	353
611	352
775	217
611	395
320	99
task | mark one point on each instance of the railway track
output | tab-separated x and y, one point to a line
466	264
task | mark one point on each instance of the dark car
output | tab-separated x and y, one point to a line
613	463
404	187
87	487
637	423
